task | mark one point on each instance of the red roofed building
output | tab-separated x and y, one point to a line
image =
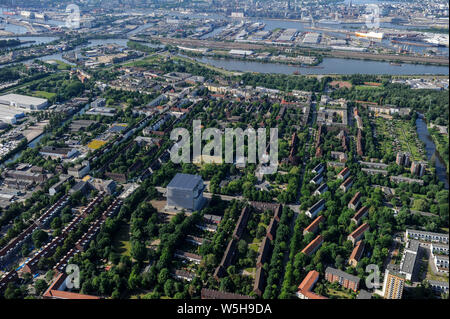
344	173
359	148
271	230
358	233
304	290
345	186
313	246
360	214
355	201
57	290
319	152
356	254
312	228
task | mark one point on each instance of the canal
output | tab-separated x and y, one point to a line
35	142
430	148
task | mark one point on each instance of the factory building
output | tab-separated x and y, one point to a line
23	102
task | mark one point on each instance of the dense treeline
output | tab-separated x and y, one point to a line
283	82
432	103
275	267
9	43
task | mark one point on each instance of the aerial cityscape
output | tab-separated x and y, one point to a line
224	149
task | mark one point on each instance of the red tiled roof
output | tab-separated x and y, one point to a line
312	245
53	292
357	251
313	226
362	211
355	198
308	284
343	171
58	294
358	231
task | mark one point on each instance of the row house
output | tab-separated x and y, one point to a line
356	254
307	285
355	201
312	228
358	233
313	246
315	209
345	186
360	214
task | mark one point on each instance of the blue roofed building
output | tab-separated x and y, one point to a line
185	191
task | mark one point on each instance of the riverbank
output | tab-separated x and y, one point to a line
431	151
326	53
330	66
442	147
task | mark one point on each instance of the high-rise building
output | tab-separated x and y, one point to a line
403	158
399	159
185	191
394	283
418	168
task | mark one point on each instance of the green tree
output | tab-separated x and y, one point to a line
40	286
39	237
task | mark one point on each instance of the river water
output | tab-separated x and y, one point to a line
328	66
430	149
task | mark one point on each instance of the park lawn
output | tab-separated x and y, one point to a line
368	87
43	94
136	296
441	146
339	293
121	242
145	61
138	293
432	276
25	85
420	196
250	270
254	246
62	65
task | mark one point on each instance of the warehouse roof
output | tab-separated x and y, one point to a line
23	99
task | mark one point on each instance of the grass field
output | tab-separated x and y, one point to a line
367	87
43	94
121	242
62	65
145	61
254	246
441	142
432	276
339	294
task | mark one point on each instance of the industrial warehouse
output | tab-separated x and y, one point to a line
13	106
